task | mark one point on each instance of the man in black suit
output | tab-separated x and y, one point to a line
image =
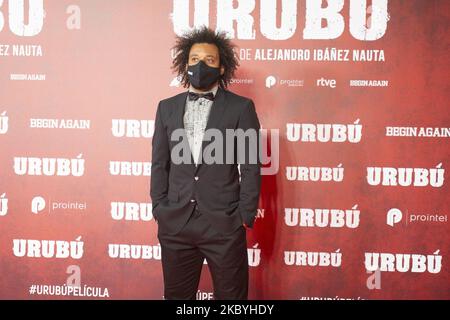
203	207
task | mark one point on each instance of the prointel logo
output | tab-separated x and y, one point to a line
37	204
270	81
393	216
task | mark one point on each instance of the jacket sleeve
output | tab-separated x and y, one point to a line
160	161
250	169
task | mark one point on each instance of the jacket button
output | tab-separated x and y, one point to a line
196	178
192	200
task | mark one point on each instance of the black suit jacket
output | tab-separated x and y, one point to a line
225	201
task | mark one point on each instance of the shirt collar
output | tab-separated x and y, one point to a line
213	90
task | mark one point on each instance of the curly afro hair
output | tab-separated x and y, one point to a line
184	43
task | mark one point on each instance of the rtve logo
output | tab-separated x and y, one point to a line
16	15
322	82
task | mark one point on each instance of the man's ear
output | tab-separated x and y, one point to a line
222	70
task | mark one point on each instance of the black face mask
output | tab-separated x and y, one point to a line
201	76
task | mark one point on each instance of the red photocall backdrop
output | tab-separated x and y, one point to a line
78	95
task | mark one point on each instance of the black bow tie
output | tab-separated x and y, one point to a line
195	96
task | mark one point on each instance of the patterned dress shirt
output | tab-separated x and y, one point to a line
196	114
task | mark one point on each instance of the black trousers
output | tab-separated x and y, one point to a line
182	258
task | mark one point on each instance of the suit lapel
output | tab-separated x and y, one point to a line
214	118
